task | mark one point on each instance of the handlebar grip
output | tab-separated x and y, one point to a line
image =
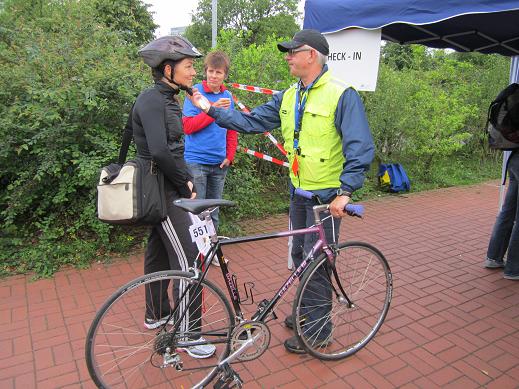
304	193
355	209
352	209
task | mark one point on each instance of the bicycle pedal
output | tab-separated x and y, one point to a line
228	379
230	383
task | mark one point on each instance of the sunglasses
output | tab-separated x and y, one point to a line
294	51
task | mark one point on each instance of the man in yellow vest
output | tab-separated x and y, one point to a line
327	138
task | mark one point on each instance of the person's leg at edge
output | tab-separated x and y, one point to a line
511	270
157	302
502	229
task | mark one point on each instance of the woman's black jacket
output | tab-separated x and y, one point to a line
158	134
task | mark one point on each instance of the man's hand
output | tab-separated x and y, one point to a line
337	206
223	103
190	186
225	163
190	97
200	101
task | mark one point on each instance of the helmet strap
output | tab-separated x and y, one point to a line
180	86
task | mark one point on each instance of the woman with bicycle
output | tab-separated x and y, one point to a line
158	131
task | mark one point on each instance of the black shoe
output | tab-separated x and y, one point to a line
289	321
293	346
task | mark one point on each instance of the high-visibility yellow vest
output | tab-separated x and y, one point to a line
321	159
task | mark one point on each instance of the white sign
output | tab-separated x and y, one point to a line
354	56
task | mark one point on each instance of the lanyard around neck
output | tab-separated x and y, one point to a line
299	110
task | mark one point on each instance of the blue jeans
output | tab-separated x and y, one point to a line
209	182
505	234
301	216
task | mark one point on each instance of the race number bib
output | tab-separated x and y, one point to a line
201	232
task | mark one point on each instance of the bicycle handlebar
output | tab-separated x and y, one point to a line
351	209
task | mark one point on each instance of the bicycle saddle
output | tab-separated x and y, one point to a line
199	205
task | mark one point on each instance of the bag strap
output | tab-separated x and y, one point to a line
127	138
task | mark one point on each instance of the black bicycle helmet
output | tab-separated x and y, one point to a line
174	48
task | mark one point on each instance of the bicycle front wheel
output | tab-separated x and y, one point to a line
339	307
131	343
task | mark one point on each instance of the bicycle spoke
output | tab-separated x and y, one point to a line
121	355
333	329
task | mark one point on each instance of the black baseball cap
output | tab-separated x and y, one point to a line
310	37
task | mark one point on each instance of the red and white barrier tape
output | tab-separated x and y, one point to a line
255	89
240	104
266	133
265	157
274	140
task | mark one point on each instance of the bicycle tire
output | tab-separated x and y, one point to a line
327	327
121	352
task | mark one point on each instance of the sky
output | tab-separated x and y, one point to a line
176	13
171	13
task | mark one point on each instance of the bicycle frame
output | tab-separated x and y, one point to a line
232	289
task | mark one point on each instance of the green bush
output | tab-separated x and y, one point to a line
66	85
430	106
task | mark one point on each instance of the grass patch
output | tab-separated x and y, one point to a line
462	170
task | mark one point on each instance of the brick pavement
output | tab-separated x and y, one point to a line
452	323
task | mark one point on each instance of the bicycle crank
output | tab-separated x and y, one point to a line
255	330
228	379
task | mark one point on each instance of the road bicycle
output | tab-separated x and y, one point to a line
343	297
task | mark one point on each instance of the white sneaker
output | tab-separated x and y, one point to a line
198	351
151	324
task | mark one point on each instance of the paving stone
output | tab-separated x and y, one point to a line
452	322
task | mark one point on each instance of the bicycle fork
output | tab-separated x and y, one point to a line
342	297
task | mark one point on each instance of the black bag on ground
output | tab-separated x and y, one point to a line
131	193
503	119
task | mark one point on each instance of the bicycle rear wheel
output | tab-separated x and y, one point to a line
327	326
122	353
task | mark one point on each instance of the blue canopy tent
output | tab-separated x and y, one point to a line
478	25
485	26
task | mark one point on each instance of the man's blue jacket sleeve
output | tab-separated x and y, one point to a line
357	143
261	119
